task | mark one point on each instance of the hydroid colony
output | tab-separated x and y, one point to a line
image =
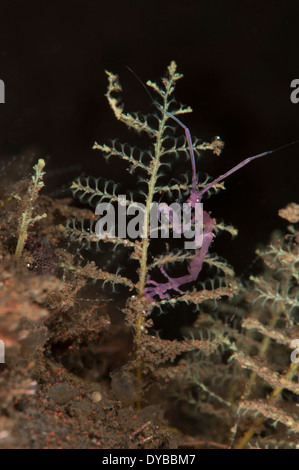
223	366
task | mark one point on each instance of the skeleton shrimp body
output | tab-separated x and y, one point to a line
154	288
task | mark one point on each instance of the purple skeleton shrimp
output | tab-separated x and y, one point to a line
174	283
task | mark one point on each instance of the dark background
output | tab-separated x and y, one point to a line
238	60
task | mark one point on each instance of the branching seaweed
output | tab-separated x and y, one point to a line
150	164
252	396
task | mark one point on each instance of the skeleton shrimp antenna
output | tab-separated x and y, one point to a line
240	165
